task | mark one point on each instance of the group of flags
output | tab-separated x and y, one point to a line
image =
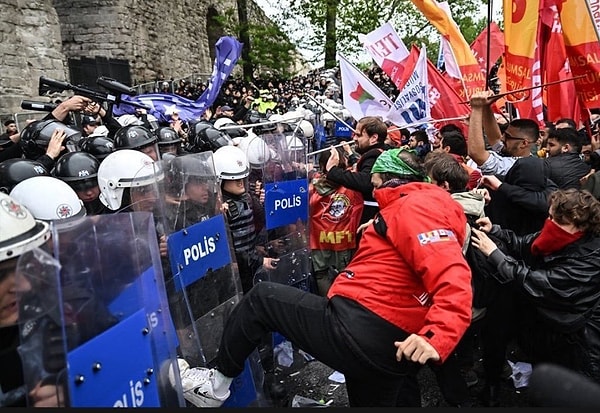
544	41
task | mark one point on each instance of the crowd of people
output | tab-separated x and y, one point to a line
423	247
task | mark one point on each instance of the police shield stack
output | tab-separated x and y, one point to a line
94	320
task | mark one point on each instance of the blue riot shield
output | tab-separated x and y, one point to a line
285	194
202	282
94	319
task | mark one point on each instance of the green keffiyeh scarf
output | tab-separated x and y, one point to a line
390	162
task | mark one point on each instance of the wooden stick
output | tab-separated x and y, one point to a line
499	95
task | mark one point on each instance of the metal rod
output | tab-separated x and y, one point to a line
329	147
269	122
410	125
328	110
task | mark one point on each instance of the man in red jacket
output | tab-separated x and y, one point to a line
403	300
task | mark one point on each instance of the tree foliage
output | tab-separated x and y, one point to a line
324	40
267	48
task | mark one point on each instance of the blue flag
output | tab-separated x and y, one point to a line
228	50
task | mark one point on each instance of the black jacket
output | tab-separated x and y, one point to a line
521	202
566	169
564	292
360	180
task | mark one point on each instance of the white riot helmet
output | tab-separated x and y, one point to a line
306	128
231	163
50	199
123	169
20	231
256	149
224	121
275	117
327	117
127	119
292	116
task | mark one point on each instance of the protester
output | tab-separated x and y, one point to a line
555	270
399	299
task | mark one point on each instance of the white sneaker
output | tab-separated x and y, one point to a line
198	385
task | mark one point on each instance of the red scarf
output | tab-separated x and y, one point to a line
553	238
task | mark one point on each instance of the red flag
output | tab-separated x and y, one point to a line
479	46
560	99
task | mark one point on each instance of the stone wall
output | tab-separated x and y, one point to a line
156	37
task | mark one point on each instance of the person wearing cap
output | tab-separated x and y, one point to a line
8	141
404	299
89	124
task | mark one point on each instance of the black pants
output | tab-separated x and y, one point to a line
338	332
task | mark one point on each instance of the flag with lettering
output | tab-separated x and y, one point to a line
520	33
411	106
580	27
444	101
361	96
472	77
387	50
228	51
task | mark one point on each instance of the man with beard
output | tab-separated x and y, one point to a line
506	147
369	137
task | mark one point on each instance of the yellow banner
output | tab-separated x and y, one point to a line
583	49
438	17
521	26
577	24
469	67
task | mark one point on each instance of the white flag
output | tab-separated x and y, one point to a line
361	96
412	104
387	49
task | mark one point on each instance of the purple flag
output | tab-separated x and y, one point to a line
228	50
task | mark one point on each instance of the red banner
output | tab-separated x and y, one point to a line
480	45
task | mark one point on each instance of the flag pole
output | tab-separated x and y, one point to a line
328	110
410	125
510	92
489	36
